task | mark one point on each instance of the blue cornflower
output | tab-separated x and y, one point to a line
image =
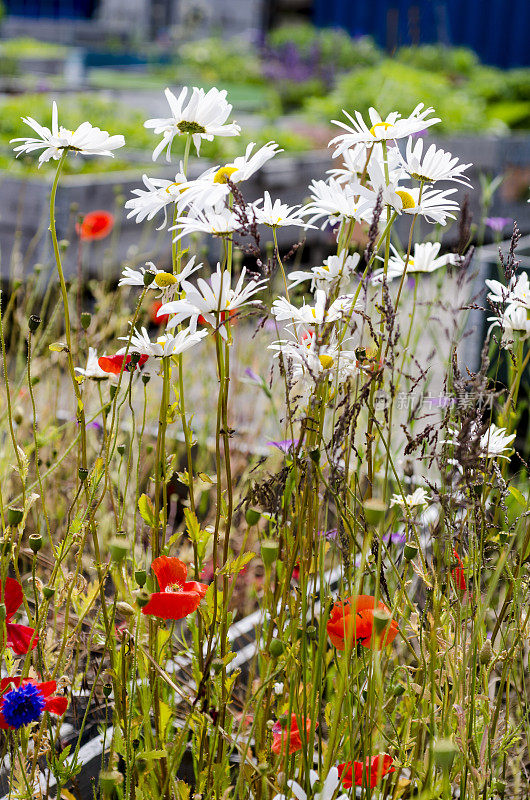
23	705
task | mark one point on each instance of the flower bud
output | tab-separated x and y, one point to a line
149	277
33	323
86	319
444	752
142	598
18	415
35	542
14	515
312	632
124	609
410	551
252	516
374	510
398	690
140	576
48	592
486	652
112	391
276	648
269	552
5	547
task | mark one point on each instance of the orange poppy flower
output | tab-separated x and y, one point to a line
353	619
177	597
289	736
95	225
368	774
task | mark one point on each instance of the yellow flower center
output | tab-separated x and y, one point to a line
186	126
406	198
222	175
164	279
326	361
176	185
384	125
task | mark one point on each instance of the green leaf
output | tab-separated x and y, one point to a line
147	511
237	564
518	496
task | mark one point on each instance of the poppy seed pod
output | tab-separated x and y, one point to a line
140	576
34	322
86	319
14	515
35	542
410	551
374	510
118	549
48	592
252	516
149	277
269	552
444	752
381	620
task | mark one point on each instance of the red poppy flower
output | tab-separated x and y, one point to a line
95	225
113	364
222	317
370	773
177	597
289	736
295	574
24	700
18	636
354	618
153	311
457	574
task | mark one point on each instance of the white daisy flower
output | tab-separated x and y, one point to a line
334	202
353	162
212	187
425	258
166	345
318	314
311	358
517	292
417	499
494	443
157	195
394	126
336	270
213	300
167	282
277	214
203	116
86	139
327	792
514	322
434	205
434	165
217	221
92	369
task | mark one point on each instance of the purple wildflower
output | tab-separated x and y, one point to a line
497	223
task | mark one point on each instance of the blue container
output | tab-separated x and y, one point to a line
497	30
